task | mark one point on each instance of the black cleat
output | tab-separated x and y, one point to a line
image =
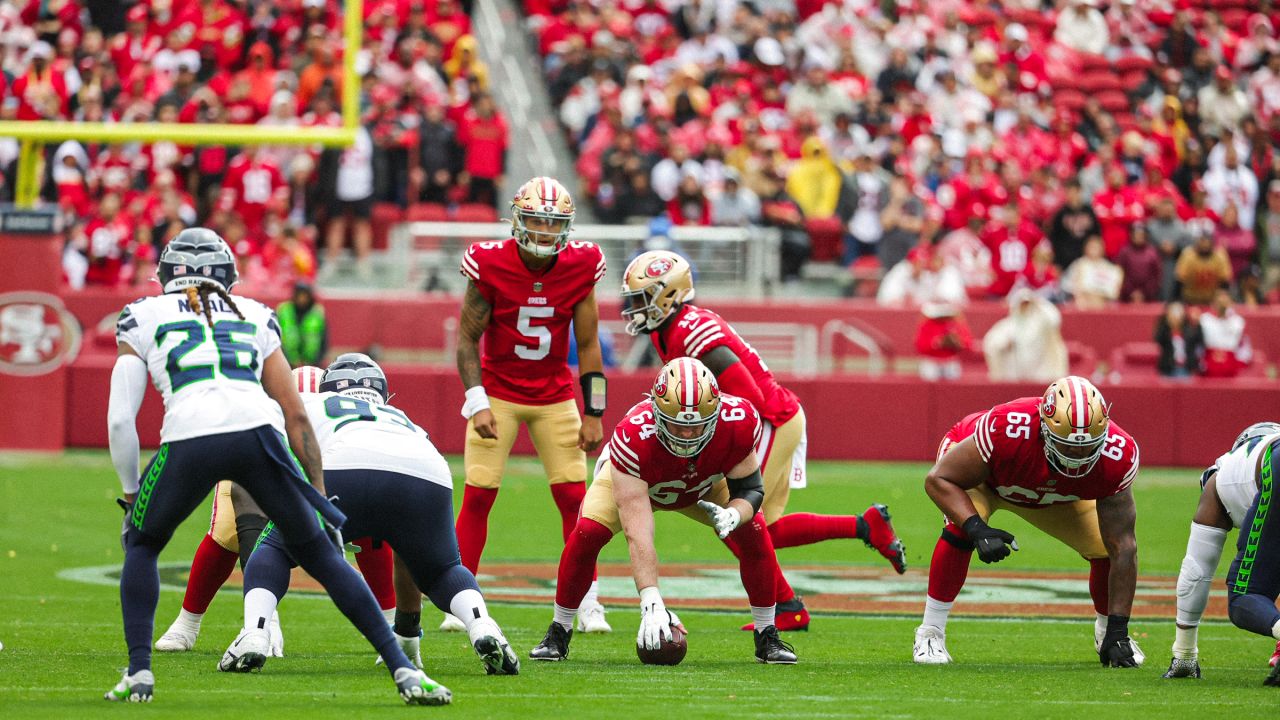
771	650
1274	678
554	646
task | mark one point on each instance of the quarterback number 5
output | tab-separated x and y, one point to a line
535	332
1019	427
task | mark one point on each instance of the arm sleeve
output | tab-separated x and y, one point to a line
128	384
1204	550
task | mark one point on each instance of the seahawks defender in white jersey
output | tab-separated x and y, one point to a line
229	405
394	487
1229	490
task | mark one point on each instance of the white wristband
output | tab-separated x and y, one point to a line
477	400
650	596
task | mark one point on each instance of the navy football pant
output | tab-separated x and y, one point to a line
1253	583
412	515
176	482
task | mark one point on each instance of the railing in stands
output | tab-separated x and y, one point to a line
738	262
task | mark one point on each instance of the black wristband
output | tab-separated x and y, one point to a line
1118	625
595	390
408	624
974	526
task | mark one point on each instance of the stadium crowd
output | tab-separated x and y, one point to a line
1105	152
429	131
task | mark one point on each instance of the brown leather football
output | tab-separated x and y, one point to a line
671	652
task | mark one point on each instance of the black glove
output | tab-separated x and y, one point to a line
1116	650
124	527
992	545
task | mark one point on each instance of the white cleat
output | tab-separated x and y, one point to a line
418	689
276	635
180	637
137	687
248	652
591	619
930	646
452	624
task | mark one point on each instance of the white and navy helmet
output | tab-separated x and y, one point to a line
194	256
1254	431
356	375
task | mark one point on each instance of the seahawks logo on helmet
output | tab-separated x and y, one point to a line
194	256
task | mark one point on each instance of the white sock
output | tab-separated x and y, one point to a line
763	616
468	606
593	595
1275	630
390	615
1184	643
259	605
936	613
564	616
190	620
1099	625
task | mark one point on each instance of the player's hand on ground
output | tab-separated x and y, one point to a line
992	544
725	520
655	621
1117	652
485	424
591	434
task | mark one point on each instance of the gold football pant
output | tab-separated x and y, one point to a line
778	465
599	504
553	430
1075	524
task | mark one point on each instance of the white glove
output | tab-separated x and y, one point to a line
412	646
725	520
655	621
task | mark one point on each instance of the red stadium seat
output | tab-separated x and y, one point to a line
1081	359
475	212
826	238
1113	101
1133	62
1136	358
427	212
385	215
1090	62
1069	99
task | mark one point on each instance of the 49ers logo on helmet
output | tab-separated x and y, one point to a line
1050	406
658	268
660	388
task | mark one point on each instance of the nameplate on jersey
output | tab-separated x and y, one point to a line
215	303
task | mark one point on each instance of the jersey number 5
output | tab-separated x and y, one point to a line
541	333
229	351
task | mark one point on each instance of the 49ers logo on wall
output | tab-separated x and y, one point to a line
658	268
37	334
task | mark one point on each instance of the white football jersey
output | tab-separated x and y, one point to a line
1237	481
210	378
354	434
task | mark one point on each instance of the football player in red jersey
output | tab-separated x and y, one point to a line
522	293
689	449
1061	464
656	290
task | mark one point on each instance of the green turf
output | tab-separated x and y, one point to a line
63	644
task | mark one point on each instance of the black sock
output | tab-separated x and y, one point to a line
248	529
139	594
863	531
408	624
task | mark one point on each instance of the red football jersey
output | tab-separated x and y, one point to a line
1008	439
676	482
526	345
695	331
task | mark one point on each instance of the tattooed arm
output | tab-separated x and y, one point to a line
473	319
277	380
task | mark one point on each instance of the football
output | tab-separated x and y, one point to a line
671	652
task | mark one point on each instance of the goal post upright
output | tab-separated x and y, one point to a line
32	135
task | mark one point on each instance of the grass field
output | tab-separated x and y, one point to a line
63	645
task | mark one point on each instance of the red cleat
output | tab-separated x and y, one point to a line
882	538
791	617
1274	656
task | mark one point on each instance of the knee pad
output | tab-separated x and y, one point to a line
954	540
1191	576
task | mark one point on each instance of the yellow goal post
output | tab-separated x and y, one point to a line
34	134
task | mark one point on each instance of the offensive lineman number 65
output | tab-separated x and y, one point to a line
1019	428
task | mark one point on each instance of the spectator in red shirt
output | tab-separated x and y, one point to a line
1142	266
252	181
110	241
483	136
1239	242
41	92
1118	208
690	205
260	75
135	43
941	338
1010	240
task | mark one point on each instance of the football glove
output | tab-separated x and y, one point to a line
1116	649
1180	668
655	621
124	526
992	544
725	520
333	532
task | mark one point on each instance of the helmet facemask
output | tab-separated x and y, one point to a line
1073	456
641	309
676	433
541	233
193	257
686	405
654	285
